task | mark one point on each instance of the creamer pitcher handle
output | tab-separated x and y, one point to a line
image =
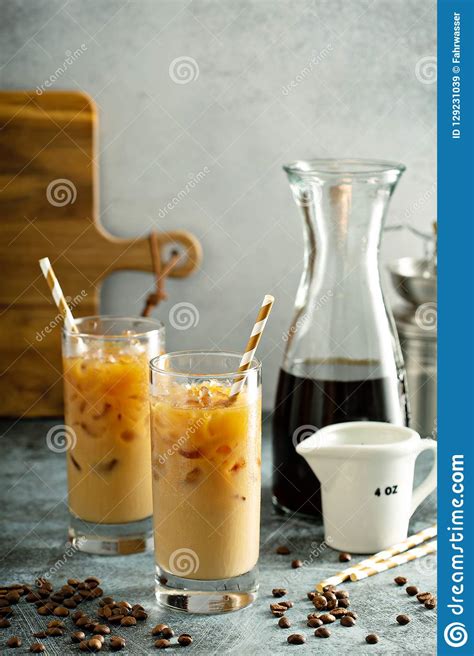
429	484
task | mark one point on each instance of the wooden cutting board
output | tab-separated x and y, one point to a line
49	207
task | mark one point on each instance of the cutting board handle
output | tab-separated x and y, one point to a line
135	253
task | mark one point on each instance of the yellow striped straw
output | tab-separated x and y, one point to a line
57	294
252	344
412	541
394	561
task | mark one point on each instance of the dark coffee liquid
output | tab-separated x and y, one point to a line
304	402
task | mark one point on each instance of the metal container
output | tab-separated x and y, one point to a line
416	321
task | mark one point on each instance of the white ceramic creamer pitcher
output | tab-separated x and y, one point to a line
366	471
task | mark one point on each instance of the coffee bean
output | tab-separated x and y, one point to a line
399	580
423	596
106	600
279	592
282	550
37	647
347	620
57	623
116	643
115	619
78	636
311	595
344	557
343	603
60	611
322	632
277	607
100	637
167	632
296	639
83	620
351	613
329	588
310	616
139	614
327	618
128	621
4	623
412	590
75	616
373	638
69	603
296	563
284	623
430	603
54	632
341	594
332	603
6	611
339	612
102	629
314	622
125	604
287	604
93	581
73	582
403	619
32	596
185	639
40	634
162	643
329	595
12	597
14	641
320	602
44	610
83	646
94	644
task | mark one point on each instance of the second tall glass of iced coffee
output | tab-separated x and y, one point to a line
206	462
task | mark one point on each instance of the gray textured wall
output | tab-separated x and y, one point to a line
370	93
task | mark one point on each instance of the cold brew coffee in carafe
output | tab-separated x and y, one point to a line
342	361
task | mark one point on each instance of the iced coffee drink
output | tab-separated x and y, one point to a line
106	399
206	462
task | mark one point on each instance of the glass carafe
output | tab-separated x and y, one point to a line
343	360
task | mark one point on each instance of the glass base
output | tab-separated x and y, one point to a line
206	597
111	539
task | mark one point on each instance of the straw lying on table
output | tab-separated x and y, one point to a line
394	561
58	295
252	344
381	556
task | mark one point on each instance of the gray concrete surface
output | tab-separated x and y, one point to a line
270	81
32	539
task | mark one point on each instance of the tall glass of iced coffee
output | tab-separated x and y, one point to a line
107	420
206	461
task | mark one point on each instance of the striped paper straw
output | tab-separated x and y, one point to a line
394	561
57	293
252	344
401	547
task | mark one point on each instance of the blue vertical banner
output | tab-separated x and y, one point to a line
455	325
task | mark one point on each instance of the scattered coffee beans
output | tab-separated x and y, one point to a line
322	632
4	623
279	592
311	595
327	618
296	564
185	640
412	590
282	550
399	580
128	620
344	557
14	641
372	638
423	596
78	636
430	603
296	639
37	647
162	643
94	644
284	623
403	619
